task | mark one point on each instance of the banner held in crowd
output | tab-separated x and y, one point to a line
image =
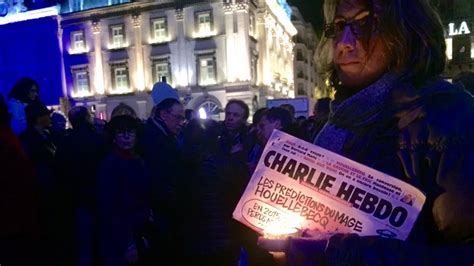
297	184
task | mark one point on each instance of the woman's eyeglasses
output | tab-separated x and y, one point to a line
361	24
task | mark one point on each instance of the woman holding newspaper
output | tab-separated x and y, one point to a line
392	112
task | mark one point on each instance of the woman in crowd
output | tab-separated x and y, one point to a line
24	92
123	196
394	113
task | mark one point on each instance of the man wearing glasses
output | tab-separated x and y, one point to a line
164	167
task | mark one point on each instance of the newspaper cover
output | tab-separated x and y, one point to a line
298	184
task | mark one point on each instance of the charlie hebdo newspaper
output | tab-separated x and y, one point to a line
297	184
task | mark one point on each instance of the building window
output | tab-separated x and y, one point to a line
78	43
159	30
77	5
207	70
161	68
117	36
210	108
301	90
299	55
81	82
120	78
300	74
203	24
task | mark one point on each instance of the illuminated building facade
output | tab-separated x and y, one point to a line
29	47
211	51
304	64
458	20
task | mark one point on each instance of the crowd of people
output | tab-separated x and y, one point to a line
162	191
132	192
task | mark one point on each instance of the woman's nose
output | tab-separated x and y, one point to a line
346	40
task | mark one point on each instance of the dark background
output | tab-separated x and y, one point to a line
312	11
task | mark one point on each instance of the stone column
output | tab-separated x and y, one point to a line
98	83
139	75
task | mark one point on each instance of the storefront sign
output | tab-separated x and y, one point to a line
461	30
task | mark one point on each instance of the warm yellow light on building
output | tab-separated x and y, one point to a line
75	51
204	33
159	40
81	94
449	48
118	91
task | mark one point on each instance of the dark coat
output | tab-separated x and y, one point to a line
19	228
78	158
40	149
123	206
163	164
428	142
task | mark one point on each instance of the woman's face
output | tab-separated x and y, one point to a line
33	93
125	140
359	61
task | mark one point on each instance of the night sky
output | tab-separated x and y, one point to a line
312	11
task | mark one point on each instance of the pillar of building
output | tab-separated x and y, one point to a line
183	77
98	84
138	75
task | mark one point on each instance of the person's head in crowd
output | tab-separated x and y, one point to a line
273	118
466	79
189	114
123	109
79	116
162	91
364	39
258	115
201	135
123	131
321	107
25	90
5	116
38	115
290	108
58	121
236	114
171	112
168	108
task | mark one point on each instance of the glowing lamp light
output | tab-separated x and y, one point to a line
204	34
123	90
278	231
111	46
83	50
81	94
202	113
275	237
159	40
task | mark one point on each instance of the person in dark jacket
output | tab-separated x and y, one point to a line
38	145
208	224
393	112
78	160
123	195
234	140
19	192
164	166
